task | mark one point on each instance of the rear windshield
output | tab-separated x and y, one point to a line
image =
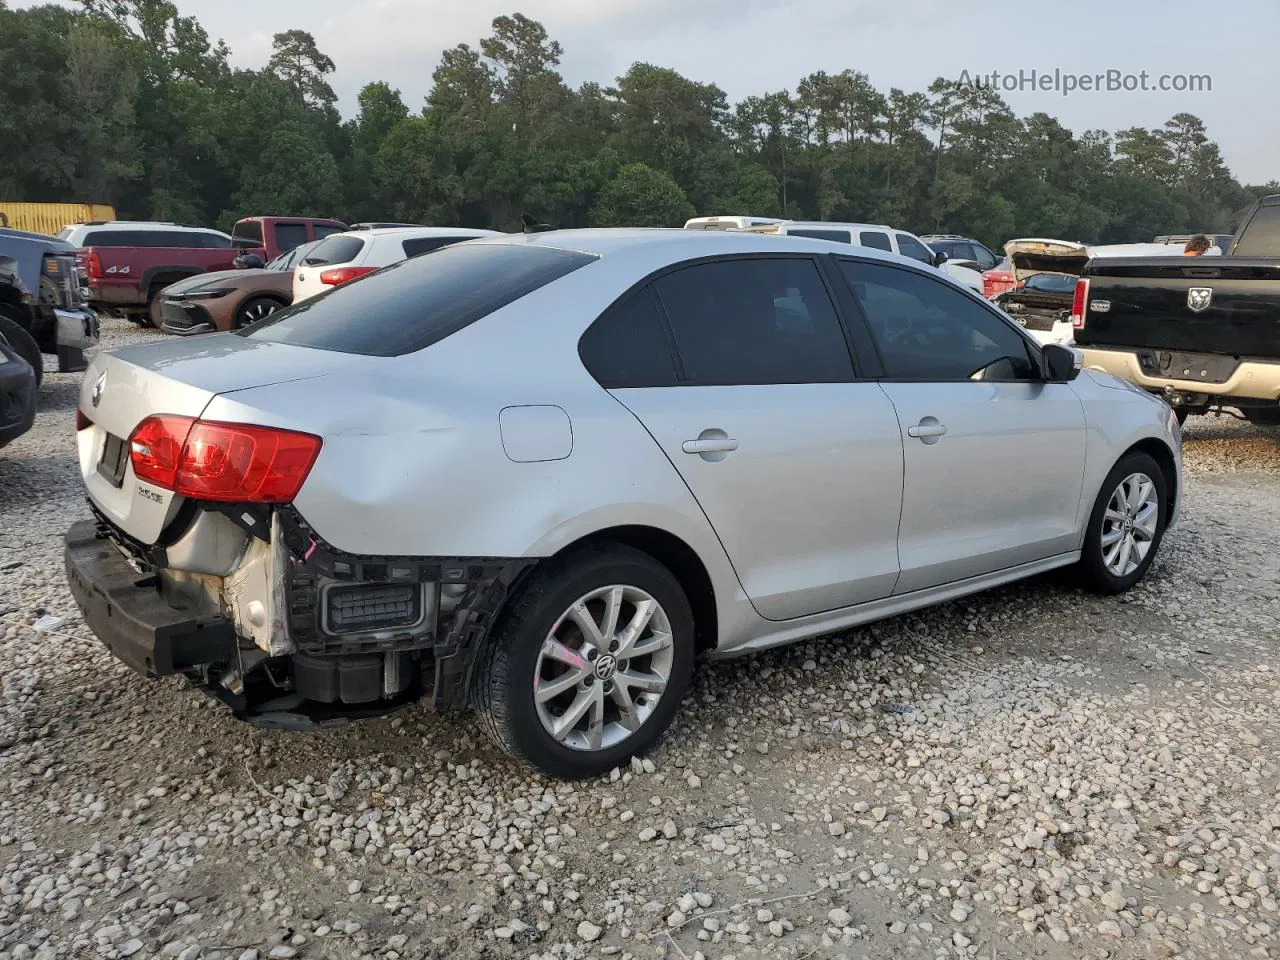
335	249
415	303
1261	235
248	230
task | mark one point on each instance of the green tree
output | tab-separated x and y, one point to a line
297	61
640	196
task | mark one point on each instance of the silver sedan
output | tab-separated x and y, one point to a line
537	475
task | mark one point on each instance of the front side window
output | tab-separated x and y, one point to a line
913	248
754	321
986	259
927	330
414	303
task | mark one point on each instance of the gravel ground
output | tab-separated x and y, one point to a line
1031	772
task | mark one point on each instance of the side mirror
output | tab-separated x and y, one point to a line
1062	364
939	258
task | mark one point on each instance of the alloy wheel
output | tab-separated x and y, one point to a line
1129	524
603	668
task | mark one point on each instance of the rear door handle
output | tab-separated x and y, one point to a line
710	445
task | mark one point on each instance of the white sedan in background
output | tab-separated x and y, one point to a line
342	257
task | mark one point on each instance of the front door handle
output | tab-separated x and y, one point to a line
710	445
928	429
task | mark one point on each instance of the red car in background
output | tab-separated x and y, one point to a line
128	263
998	279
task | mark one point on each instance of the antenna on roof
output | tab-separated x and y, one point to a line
533	226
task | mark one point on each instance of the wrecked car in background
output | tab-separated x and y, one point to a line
44	302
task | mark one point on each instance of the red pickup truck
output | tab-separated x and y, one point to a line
128	263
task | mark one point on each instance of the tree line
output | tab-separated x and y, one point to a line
128	102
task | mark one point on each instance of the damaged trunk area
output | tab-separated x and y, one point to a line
295	634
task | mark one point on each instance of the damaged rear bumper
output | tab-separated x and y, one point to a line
342	642
125	610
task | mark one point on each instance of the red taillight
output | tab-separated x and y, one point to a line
223	462
340	275
1080	303
93	266
82	421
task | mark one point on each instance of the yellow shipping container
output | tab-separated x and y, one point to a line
51	217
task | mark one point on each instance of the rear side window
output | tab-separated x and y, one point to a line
875	239
415	303
416	246
754	321
289	235
214	241
336	249
628	347
838	236
1261	235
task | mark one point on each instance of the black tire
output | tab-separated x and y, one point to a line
245	312
1093	570
503	691
155	311
23	344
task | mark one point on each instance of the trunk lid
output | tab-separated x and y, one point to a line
122	388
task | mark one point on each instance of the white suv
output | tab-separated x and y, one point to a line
342	257
874	235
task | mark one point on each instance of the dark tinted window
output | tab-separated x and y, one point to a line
755	321
839	236
876	239
926	330
289	235
627	346
252	231
1261	235
336	249
215	241
954	249
323	230
415	303
153	238
986	259
913	248
416	246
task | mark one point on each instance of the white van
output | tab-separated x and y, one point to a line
728	223
878	236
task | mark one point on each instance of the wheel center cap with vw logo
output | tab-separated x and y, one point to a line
606	666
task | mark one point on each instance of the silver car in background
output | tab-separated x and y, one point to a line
537	475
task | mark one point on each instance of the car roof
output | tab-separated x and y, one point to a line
684	244
112	225
839	224
405	232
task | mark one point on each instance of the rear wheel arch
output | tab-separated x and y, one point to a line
678	557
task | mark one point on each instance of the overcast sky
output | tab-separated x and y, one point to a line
751	46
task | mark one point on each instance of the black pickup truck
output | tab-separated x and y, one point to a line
1203	332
